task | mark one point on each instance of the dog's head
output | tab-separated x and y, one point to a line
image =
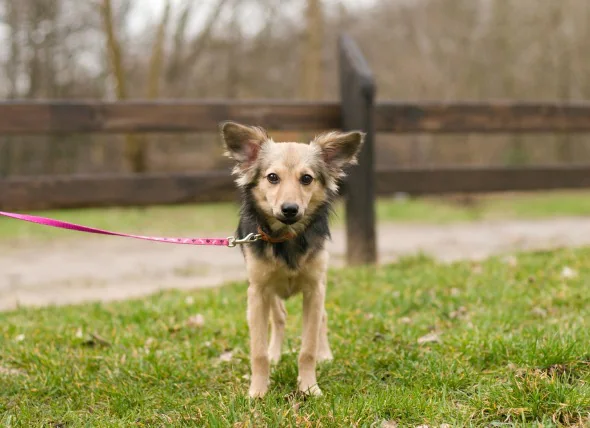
289	181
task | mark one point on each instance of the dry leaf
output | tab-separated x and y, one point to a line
7	371
539	312
389	424
96	340
429	338
511	261
20	338
568	273
227	356
174	329
197	320
459	313
477	269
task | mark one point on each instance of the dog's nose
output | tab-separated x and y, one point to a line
289	210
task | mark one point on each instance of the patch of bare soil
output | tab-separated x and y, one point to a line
86	268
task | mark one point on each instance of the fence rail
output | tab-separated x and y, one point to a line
483	117
76	191
355	110
63	117
70	117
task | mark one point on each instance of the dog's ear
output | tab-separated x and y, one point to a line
340	149
242	143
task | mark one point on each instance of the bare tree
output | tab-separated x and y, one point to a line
134	150
157	57
313	51
562	61
184	58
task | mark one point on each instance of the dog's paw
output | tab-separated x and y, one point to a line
257	393
313	390
324	356
258	387
274	357
309	386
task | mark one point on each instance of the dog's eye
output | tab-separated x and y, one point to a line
273	178
306	179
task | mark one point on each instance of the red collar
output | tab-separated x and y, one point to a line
265	237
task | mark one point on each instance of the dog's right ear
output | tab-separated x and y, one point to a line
242	143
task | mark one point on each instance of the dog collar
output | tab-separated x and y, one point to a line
266	237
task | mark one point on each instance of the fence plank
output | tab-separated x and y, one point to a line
75	191
60	117
357	91
483	117
45	192
418	181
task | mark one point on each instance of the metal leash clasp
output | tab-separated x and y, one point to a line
232	241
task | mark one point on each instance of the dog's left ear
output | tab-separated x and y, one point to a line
340	148
242	143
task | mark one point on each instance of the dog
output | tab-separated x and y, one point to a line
287	193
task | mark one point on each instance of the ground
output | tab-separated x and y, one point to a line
40	266
498	343
495	342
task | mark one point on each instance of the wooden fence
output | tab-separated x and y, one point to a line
356	110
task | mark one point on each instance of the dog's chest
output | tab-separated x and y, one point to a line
286	285
281	281
276	277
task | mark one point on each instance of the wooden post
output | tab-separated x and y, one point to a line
357	92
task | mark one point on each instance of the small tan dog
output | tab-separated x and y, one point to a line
287	191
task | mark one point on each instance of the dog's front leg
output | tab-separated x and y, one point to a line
258	312
313	310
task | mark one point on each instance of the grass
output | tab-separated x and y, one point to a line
501	343
222	218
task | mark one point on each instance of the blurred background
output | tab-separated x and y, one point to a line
252	49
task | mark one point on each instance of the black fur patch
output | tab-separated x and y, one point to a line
312	239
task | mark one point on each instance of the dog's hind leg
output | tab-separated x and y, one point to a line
278	316
258	312
324	351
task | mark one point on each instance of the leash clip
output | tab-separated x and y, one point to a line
232	241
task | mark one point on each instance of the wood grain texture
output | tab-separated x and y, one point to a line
357	92
61	117
217	186
483	117
77	191
419	181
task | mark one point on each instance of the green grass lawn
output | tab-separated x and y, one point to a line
501	343
222	218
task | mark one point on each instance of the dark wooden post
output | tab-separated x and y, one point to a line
357	92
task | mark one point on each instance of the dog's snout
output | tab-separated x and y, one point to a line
289	210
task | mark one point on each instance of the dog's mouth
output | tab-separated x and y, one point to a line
288	221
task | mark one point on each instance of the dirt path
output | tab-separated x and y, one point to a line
105	268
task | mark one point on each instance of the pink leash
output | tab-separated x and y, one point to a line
220	242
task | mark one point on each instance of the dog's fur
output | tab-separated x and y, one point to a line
278	270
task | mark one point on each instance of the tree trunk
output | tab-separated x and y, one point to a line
312	53
134	150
